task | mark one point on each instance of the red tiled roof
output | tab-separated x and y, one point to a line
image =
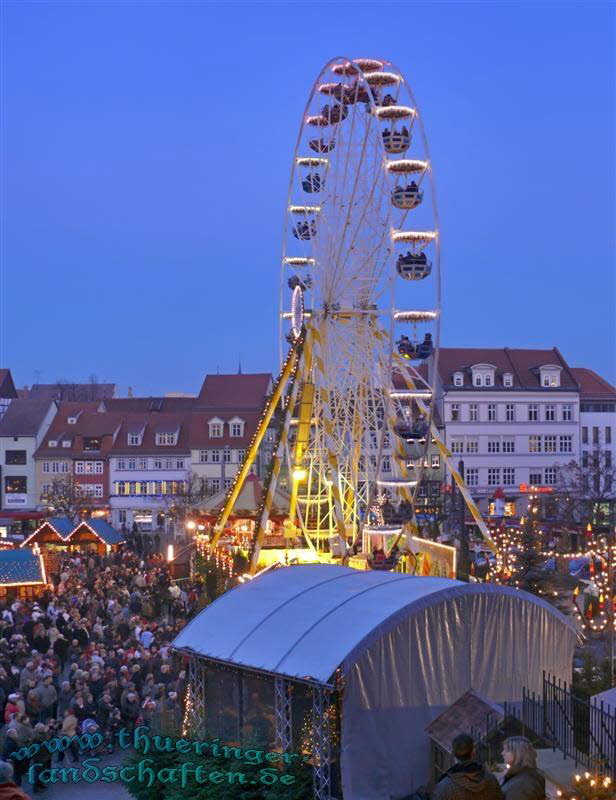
200	430
7	387
593	386
152	423
234	391
522	364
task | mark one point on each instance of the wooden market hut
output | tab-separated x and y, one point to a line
94	535
52	534
22	574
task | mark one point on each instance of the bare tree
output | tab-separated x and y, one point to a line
180	505
586	491
66	498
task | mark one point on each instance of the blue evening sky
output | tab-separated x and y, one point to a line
145	157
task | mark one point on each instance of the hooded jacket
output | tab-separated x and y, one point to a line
526	783
467	780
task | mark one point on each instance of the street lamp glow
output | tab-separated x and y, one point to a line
299	474
191	525
169	552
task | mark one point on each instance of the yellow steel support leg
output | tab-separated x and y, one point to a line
287	371
303	369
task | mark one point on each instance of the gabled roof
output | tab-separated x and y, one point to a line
73	392
151	424
469	712
523	364
102	529
235	391
24	417
143	405
18	567
7	387
592	386
90	423
62	526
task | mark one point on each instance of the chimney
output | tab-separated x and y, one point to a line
130	391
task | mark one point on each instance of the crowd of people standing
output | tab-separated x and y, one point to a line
93	652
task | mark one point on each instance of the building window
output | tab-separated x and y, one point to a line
473	412
584	435
179	464
79	468
158	464
549	476
237	429
121	463
91	443
215	457
488	379
226	456
478	380
493	445
64	467
458	379
584	458
14	457
535	478
549	444
595	435
455	412
53	443
608	436
508	476
508	379
216	430
203	456
386	464
608	459
457	445
45	488
132	463
550	413
241	455
214	484
567	413
491	412
436	461
534	444
386	441
227	483
493	476
168	463
533	412
15	484
143	463
508	445
472	445
565	444
46	467
134	439
472	476
165	439
510	412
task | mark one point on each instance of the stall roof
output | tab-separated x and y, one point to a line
61	525
102	529
305	621
20	567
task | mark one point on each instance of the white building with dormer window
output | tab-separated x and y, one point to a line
511	416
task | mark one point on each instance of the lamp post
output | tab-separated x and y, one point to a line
463	563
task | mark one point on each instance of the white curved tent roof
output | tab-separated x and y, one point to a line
304	621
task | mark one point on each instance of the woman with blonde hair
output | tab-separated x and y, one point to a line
523	780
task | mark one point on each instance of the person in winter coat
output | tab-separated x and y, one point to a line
9	790
523	780
467	779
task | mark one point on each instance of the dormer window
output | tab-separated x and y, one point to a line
53	443
134	439
166	439
550	376
236	427
458	379
508	379
66	443
216	427
483	374
72	420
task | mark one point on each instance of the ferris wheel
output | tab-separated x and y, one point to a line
360	293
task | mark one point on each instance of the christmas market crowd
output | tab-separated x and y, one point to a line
92	654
